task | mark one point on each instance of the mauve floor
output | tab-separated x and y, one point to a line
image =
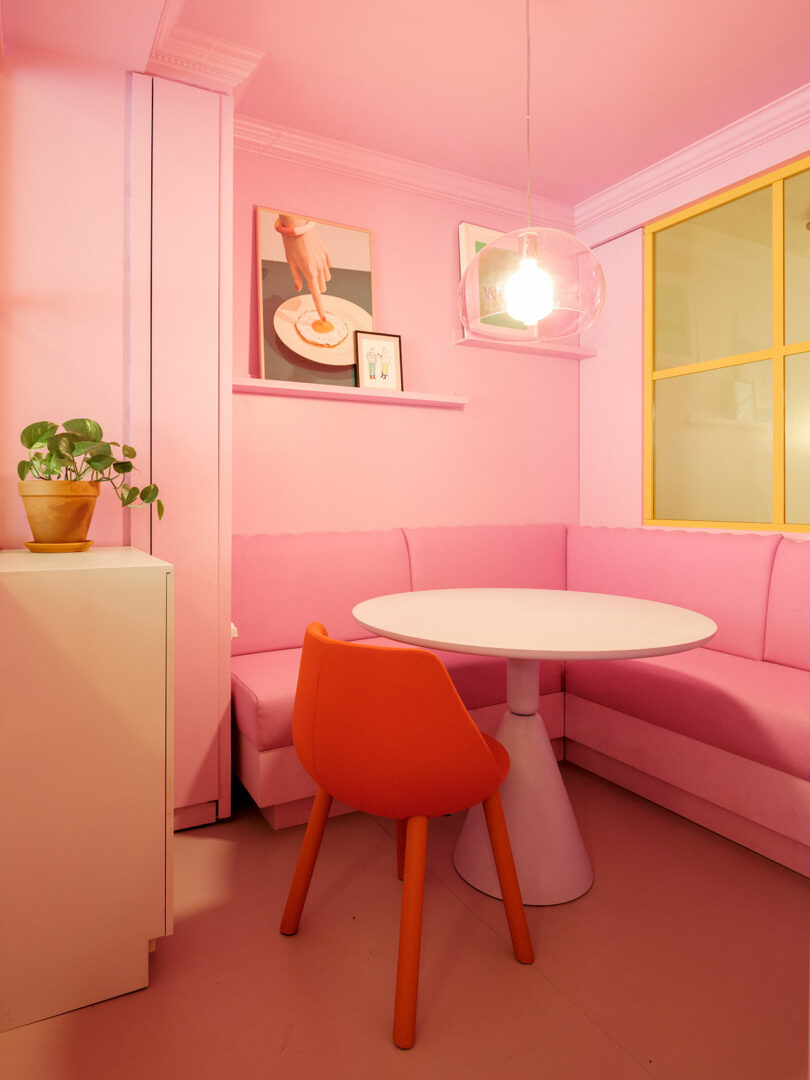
687	960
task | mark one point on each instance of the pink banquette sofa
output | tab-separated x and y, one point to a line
719	734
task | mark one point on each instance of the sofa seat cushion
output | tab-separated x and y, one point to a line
263	687
755	709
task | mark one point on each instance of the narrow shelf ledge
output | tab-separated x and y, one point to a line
541	348
279	388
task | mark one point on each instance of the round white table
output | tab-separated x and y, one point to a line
525	626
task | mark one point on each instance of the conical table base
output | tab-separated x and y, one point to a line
552	864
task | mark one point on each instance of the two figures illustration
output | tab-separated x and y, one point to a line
374	355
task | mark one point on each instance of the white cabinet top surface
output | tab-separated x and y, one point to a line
20	561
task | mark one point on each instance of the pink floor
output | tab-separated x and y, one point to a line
688	960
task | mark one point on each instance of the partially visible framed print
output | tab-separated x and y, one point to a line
379	360
493	270
296	344
471	238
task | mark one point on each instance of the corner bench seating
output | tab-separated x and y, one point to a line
720	734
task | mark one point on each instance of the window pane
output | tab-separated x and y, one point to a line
797	439
797	259
713	283
713	445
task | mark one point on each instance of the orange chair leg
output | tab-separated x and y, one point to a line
410	933
306	862
508	879
402	828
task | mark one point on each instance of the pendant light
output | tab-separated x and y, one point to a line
534	284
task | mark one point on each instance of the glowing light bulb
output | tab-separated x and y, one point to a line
529	293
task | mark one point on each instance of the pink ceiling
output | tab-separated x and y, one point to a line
617	85
110	32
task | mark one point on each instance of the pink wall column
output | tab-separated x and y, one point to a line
62	132
611	393
509	456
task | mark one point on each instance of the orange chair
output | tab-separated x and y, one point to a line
384	730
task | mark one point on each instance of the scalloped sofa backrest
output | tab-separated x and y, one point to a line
487	557
283	583
723	575
787	637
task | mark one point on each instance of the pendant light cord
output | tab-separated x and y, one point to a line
528	119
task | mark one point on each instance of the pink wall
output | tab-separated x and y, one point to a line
611	417
611	393
62	132
299	464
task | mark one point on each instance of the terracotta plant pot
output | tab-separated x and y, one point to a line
59	511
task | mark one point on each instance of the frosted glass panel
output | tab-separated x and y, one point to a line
797	259
713	290
714	445
797	439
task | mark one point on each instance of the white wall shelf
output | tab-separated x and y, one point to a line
280	388
540	348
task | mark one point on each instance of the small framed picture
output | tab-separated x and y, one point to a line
379	360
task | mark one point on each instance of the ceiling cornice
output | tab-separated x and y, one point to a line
194	57
259	137
169	18
660	187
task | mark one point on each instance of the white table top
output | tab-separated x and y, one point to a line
535	623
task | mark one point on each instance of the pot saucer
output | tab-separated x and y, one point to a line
81	545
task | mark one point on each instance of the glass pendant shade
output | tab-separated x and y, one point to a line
531	285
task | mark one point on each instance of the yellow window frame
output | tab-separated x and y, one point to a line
777	353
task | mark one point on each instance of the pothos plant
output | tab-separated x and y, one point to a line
80	452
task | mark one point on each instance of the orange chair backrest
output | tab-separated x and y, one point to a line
384	730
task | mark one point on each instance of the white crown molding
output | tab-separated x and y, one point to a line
631	199
259	137
169	17
192	56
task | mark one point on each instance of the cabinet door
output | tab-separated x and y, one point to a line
83	743
185	404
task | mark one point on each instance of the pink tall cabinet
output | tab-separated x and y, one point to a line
180	375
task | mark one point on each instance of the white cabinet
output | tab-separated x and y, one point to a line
86	676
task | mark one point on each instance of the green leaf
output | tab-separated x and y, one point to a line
83	446
62	444
55	462
127	451
24	468
123	466
89	430
159	505
149	493
37	434
100	462
130	496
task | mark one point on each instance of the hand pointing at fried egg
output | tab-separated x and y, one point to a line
306	255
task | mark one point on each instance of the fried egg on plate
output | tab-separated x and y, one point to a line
327	332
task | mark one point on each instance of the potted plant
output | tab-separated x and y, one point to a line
61	478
